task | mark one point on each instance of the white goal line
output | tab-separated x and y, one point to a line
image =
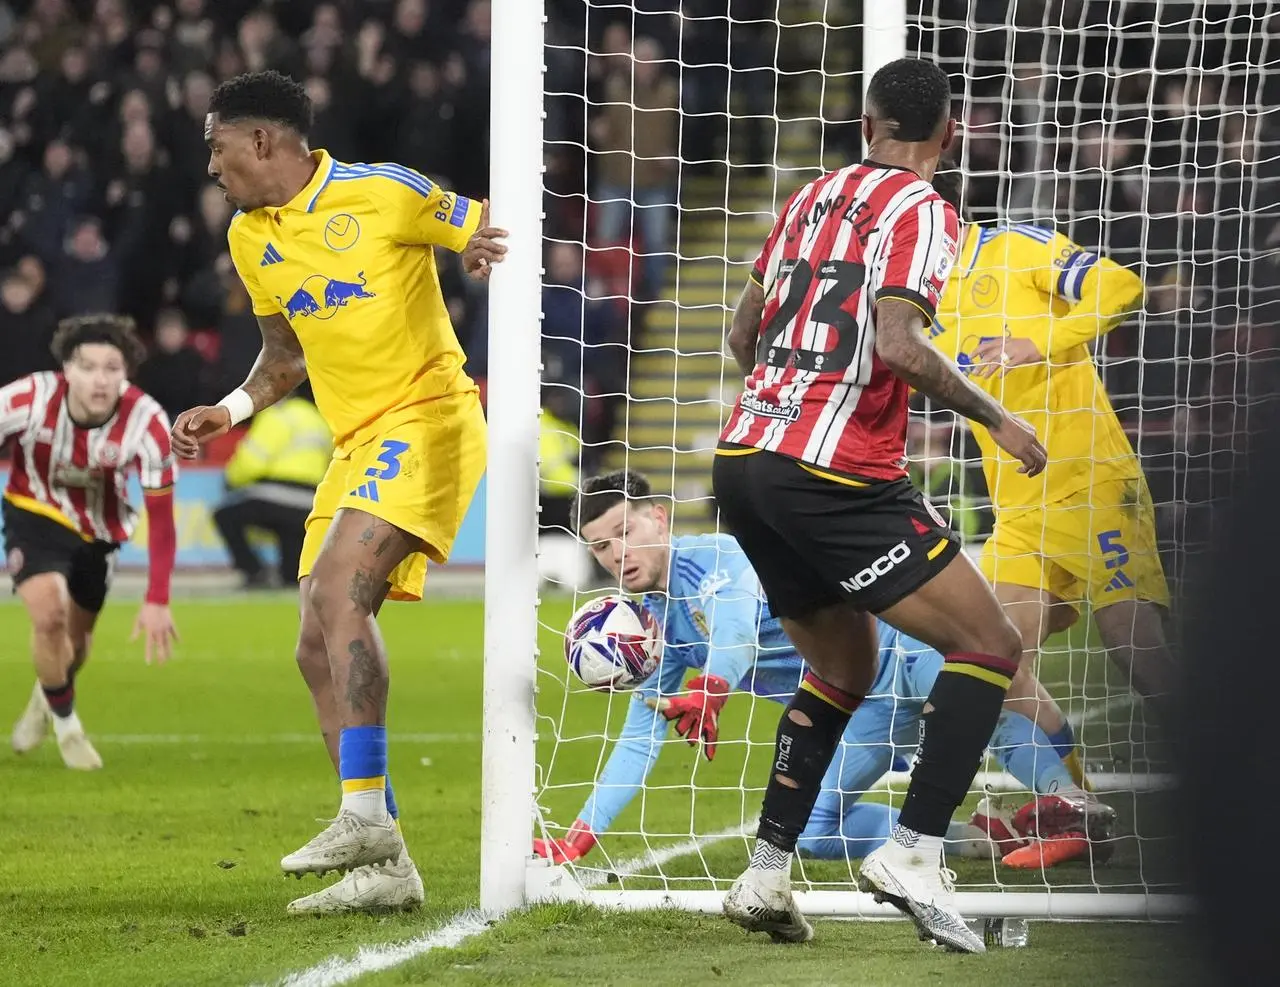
268	739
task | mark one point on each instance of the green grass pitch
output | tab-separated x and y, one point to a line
163	868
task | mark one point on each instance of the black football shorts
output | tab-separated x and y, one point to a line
816	538
34	544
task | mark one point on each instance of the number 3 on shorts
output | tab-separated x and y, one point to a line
389	460
1109	542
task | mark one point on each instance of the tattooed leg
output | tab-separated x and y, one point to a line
313	663
346	587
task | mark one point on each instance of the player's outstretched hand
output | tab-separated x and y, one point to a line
697	712
155	625
196	426
576	843
1018	439
485	248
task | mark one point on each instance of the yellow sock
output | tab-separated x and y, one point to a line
1074	763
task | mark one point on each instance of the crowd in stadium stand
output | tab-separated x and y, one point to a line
104	202
104	199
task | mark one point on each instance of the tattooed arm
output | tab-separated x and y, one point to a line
903	348
280	368
745	329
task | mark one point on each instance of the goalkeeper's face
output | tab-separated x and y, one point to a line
633	544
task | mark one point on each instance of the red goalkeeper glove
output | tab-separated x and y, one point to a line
575	843
697	712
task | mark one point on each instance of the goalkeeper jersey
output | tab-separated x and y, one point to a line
1024	281
714	619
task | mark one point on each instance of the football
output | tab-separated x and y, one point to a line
612	644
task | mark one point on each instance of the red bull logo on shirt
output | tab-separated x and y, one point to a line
322	297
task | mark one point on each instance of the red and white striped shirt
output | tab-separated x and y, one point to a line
819	393
78	475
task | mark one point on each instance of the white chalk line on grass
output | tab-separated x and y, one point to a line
1099	710
269	739
595	877
371	959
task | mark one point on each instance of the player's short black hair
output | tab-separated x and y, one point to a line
102	327
948	182
911	93
600	493
264	96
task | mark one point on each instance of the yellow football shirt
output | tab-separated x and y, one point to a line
1025	281
349	262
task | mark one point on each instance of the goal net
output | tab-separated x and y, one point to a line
669	134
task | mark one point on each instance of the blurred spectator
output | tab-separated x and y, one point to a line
333	129
13	172
240	340
326	28
635	138
174	374
52	198
424	132
189	155
727	48
87	276
145	198
264	46
416	32
197	245
26	327
584	345
467	72
581	335
194	35
50	29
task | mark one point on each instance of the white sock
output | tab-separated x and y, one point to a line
63	725
371	804
768	857
927	849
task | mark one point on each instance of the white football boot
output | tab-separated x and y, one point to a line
33	725
349	841
923	890
761	901
393	887
74	746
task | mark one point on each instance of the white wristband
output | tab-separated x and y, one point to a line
238	404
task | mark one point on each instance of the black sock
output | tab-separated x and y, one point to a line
808	734
62	699
961	716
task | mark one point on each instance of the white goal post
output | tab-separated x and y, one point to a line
1053	131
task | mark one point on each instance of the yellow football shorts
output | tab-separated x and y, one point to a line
1097	545
419	473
